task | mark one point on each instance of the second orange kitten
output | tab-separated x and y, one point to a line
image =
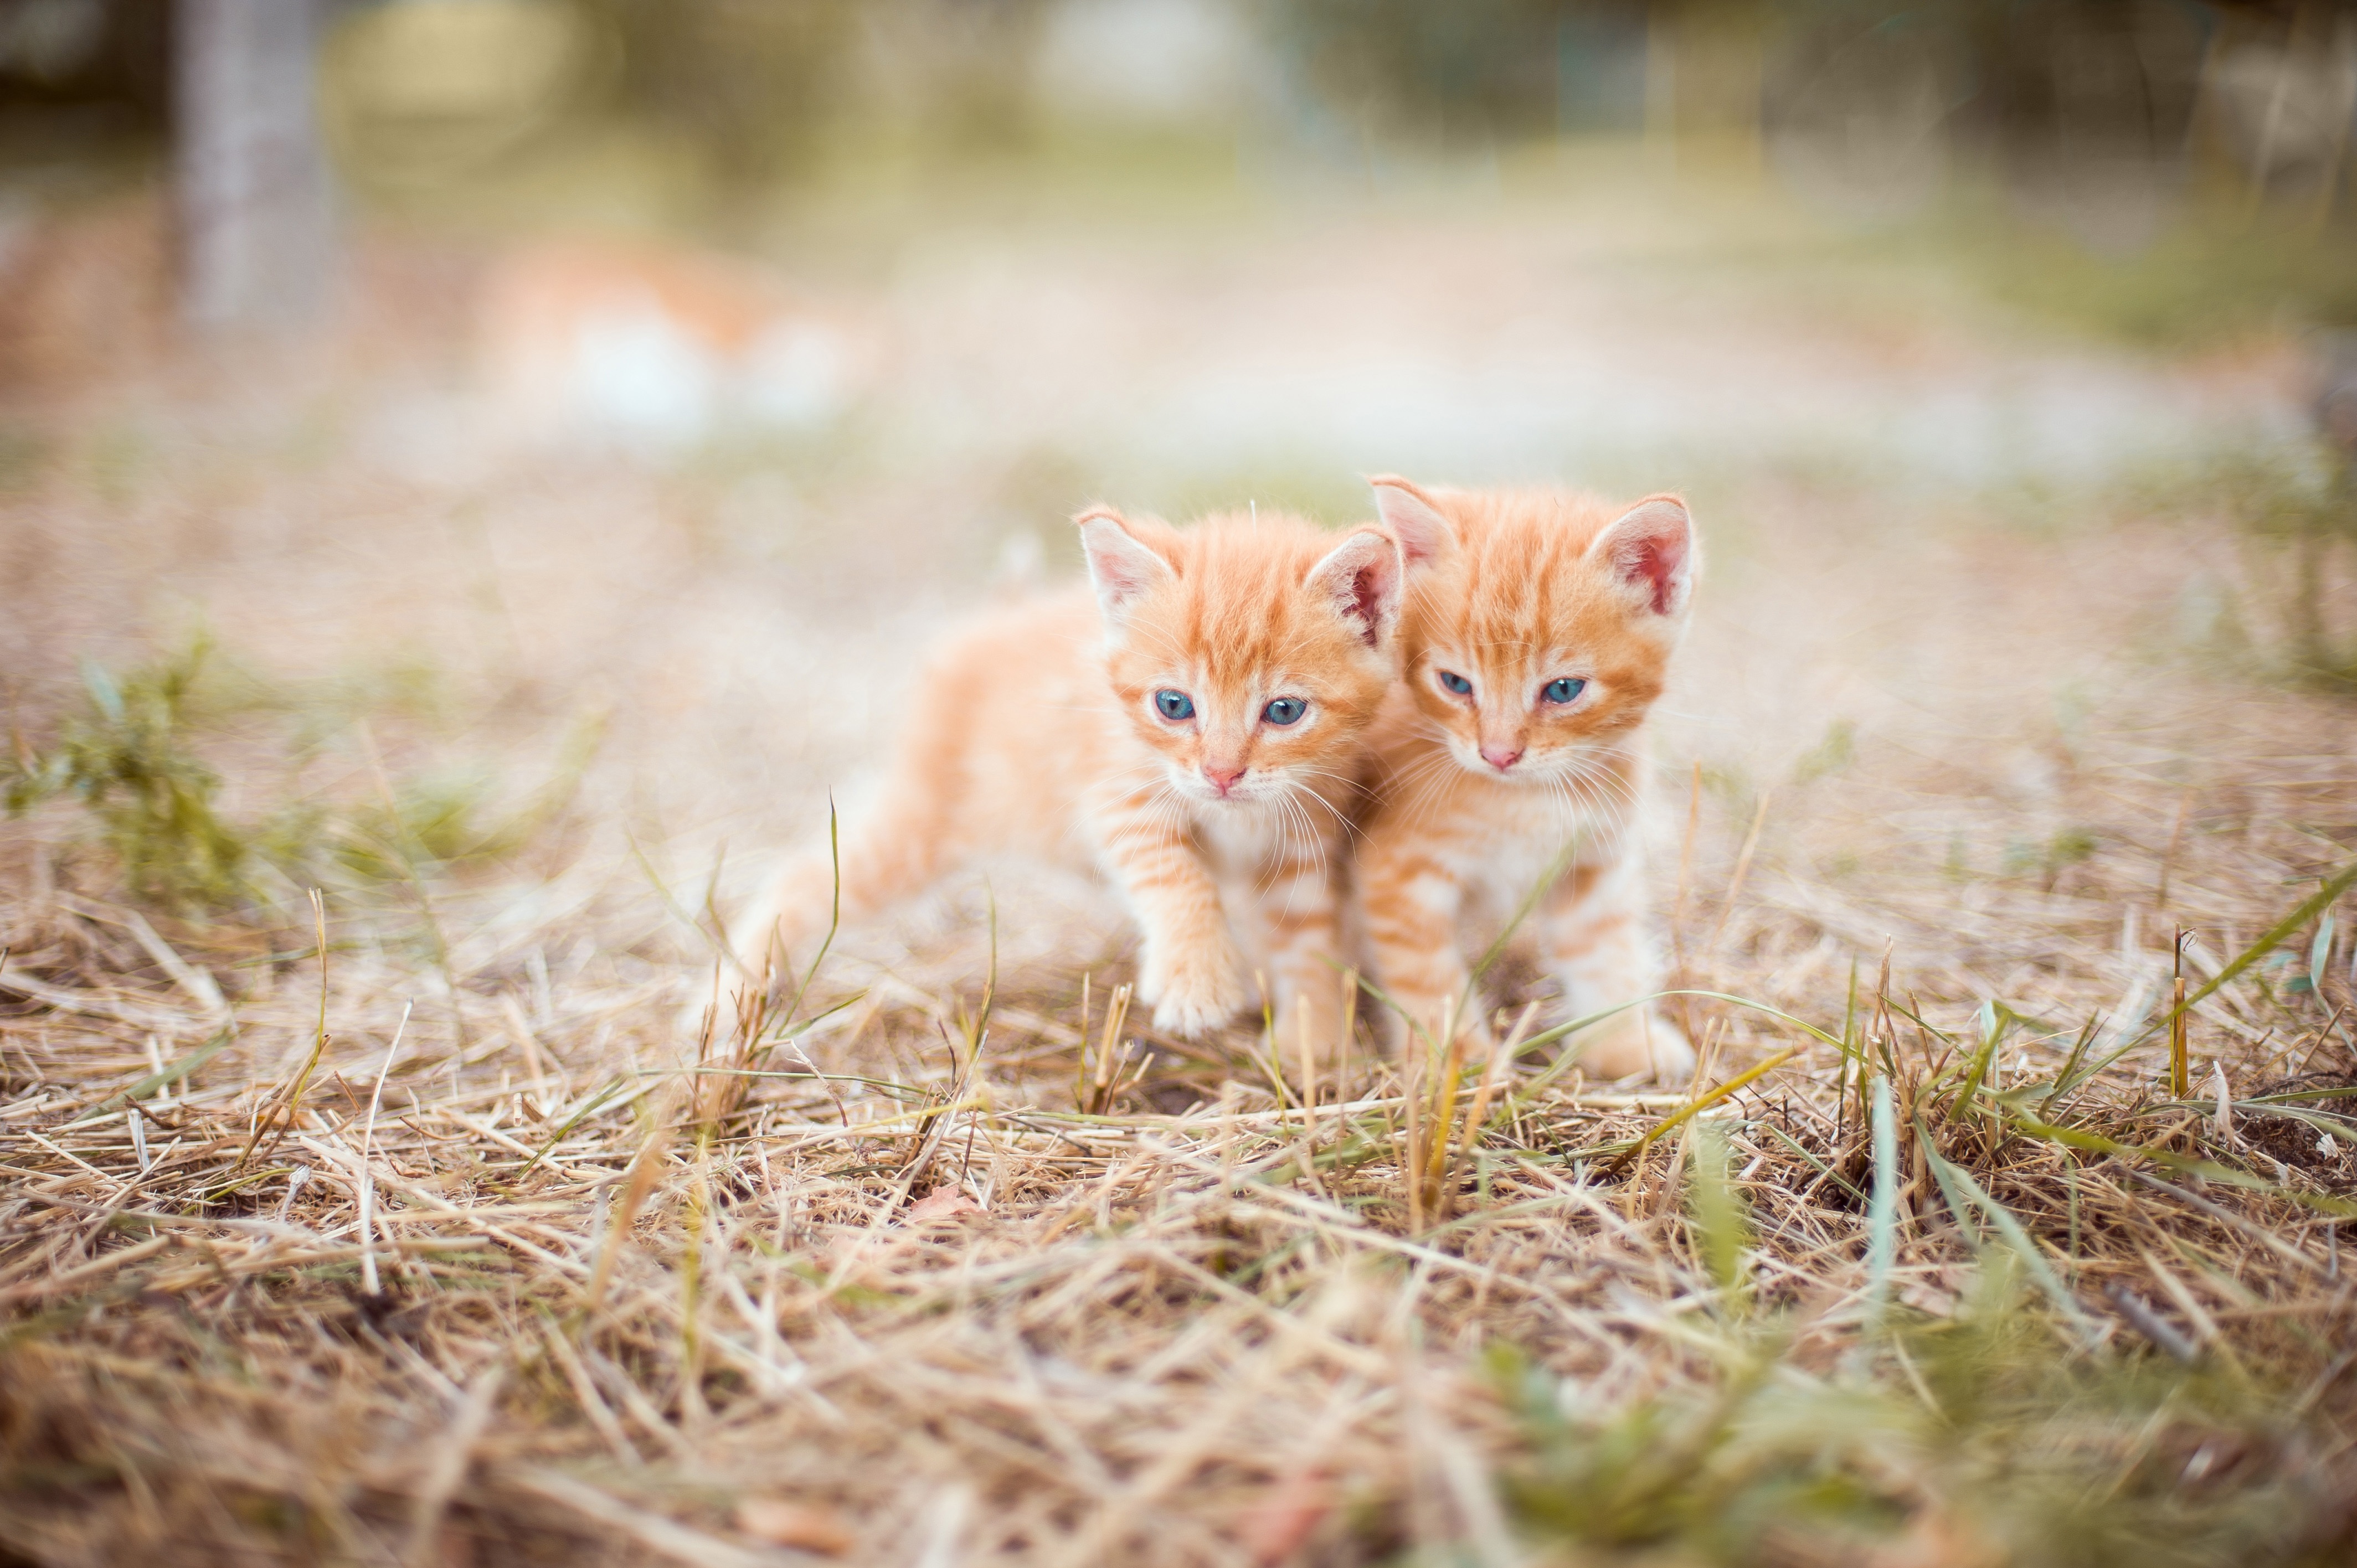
1537	633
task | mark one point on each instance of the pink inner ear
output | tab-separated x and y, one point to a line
1656	558
1122	566
1120	574
1422	532
1365	605
1655	562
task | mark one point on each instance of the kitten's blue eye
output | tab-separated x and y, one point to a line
1455	682
1284	710
1563	689
1174	705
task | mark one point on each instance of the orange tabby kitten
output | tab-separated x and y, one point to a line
1536	634
1197	732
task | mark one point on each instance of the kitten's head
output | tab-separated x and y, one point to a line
1250	655
1539	624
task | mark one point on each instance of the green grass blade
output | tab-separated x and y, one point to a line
1882	1208
172	1074
2078	1054
1496	949
1383	998
679	911
1721	1219
835	924
2310	909
2009	1228
1993	1020
1823	1169
602	1099
2208	1170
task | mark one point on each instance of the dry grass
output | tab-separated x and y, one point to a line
913	1258
442	1246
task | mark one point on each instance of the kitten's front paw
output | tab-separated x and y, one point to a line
1193	992
1638	1042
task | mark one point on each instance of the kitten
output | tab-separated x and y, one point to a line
1198	733
1535	636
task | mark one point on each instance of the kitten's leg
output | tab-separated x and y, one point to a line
1413	899
1298	914
1593	938
1188	969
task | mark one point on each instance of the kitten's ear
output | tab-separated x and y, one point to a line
1360	578
1652	551
1122	567
1413	519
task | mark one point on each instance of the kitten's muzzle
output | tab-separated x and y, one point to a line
1518	767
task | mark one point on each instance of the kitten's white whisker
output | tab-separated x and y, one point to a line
1429	778
1350	829
1309	824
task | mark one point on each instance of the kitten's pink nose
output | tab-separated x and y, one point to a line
1499	758
1222	778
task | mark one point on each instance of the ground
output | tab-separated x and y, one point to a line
1991	691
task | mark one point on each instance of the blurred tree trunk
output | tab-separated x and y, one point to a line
255	206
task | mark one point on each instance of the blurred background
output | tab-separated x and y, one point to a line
498	462
491	384
279	134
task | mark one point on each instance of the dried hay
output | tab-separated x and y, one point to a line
902	1270
947	1266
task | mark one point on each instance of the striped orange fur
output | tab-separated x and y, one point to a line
1198	733
1536	634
